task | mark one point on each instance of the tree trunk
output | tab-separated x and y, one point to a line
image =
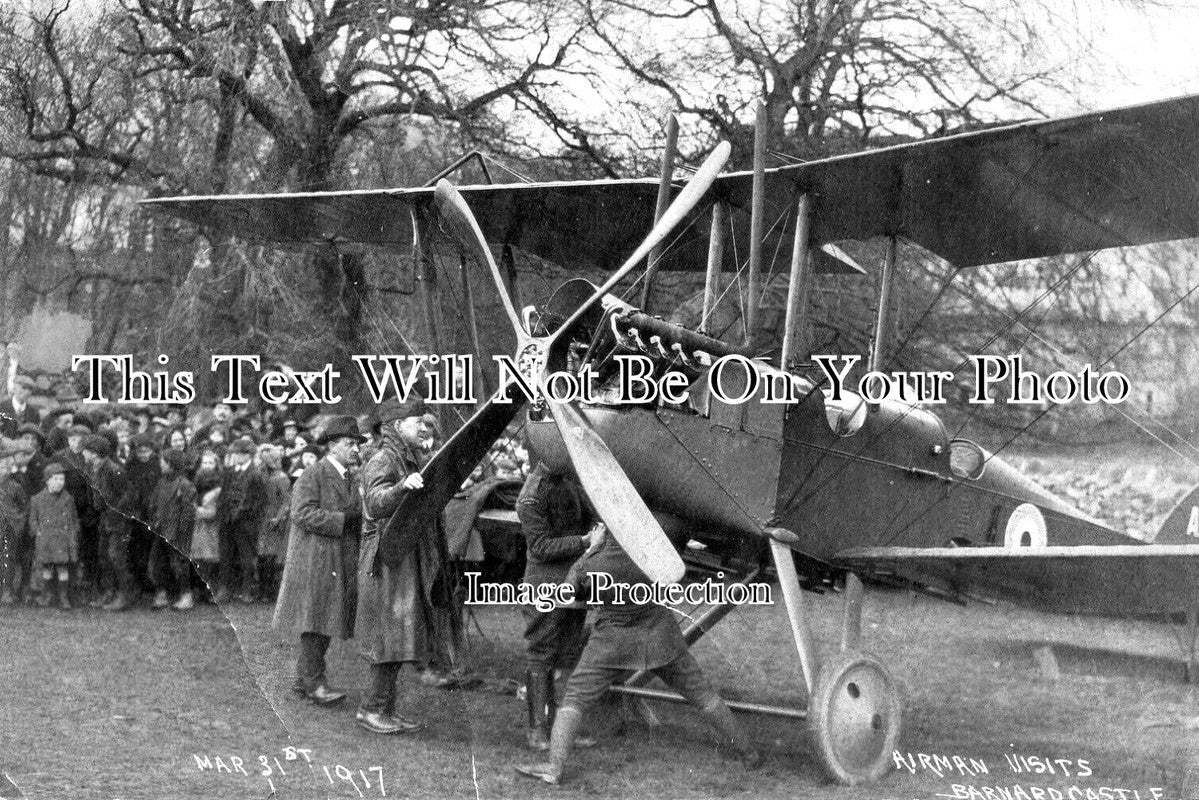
341	276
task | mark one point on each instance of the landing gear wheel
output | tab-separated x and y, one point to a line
853	718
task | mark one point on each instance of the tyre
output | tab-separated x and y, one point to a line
854	718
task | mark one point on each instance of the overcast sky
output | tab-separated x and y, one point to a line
1151	55
1150	48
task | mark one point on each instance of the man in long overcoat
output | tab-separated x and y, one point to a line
319	592
398	608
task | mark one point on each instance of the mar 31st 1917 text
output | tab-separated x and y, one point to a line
294	765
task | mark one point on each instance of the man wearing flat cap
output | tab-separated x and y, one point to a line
34	440
319	589
240	510
396	605
16	411
57	425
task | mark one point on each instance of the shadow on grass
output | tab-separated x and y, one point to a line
1103	662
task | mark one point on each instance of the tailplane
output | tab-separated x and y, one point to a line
1182	523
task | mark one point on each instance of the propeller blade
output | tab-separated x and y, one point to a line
461	224
615	499
444	474
692	193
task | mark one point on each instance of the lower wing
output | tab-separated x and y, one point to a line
1120	580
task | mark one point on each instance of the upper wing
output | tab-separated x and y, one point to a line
1123	177
1109	580
577	223
1107	179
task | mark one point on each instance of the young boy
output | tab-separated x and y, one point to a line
55	528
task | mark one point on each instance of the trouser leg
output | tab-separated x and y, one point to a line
158	566
310	665
141	546
247	556
379	698
118	559
227	553
105	580
181	570
88	571
8	561
64	583
28	578
685	676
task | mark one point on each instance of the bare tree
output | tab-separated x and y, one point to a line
225	96
834	75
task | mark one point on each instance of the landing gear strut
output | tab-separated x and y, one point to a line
853	712
853	707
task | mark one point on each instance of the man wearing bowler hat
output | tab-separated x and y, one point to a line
397	606
319	590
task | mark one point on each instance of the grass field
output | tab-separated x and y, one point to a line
128	706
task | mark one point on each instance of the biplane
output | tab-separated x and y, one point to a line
832	486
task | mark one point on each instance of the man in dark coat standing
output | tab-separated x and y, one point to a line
173	517
110	488
319	591
240	509
397	607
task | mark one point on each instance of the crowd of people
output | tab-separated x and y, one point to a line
109	509
142	504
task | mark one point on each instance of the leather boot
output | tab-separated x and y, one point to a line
732	733
377	712
566	727
538	689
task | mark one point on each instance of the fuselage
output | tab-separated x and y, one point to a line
824	477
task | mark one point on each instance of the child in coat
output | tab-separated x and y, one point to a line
54	525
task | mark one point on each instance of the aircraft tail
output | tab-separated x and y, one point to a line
1182	523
